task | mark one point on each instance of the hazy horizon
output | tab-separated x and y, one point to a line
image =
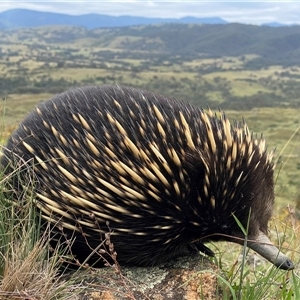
250	12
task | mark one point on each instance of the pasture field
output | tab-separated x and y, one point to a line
52	59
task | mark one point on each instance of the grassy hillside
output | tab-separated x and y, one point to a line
273	44
233	66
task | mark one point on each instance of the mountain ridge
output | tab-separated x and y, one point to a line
271	45
24	18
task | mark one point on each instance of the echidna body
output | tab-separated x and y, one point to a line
164	174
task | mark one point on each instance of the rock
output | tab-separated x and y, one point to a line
187	278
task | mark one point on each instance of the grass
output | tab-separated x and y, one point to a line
251	278
26	269
243	88
259	283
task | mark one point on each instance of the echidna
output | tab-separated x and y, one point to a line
165	176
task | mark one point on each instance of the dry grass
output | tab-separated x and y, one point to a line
34	276
27	271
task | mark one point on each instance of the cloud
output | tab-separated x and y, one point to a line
251	12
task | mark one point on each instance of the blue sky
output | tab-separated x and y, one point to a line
250	12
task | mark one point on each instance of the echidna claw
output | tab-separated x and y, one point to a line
202	248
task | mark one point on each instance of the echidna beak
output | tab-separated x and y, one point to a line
263	246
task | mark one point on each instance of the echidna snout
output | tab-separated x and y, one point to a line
162	173
265	248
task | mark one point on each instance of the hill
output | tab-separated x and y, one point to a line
234	66
23	18
272	45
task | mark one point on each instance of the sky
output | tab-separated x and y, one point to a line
248	12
